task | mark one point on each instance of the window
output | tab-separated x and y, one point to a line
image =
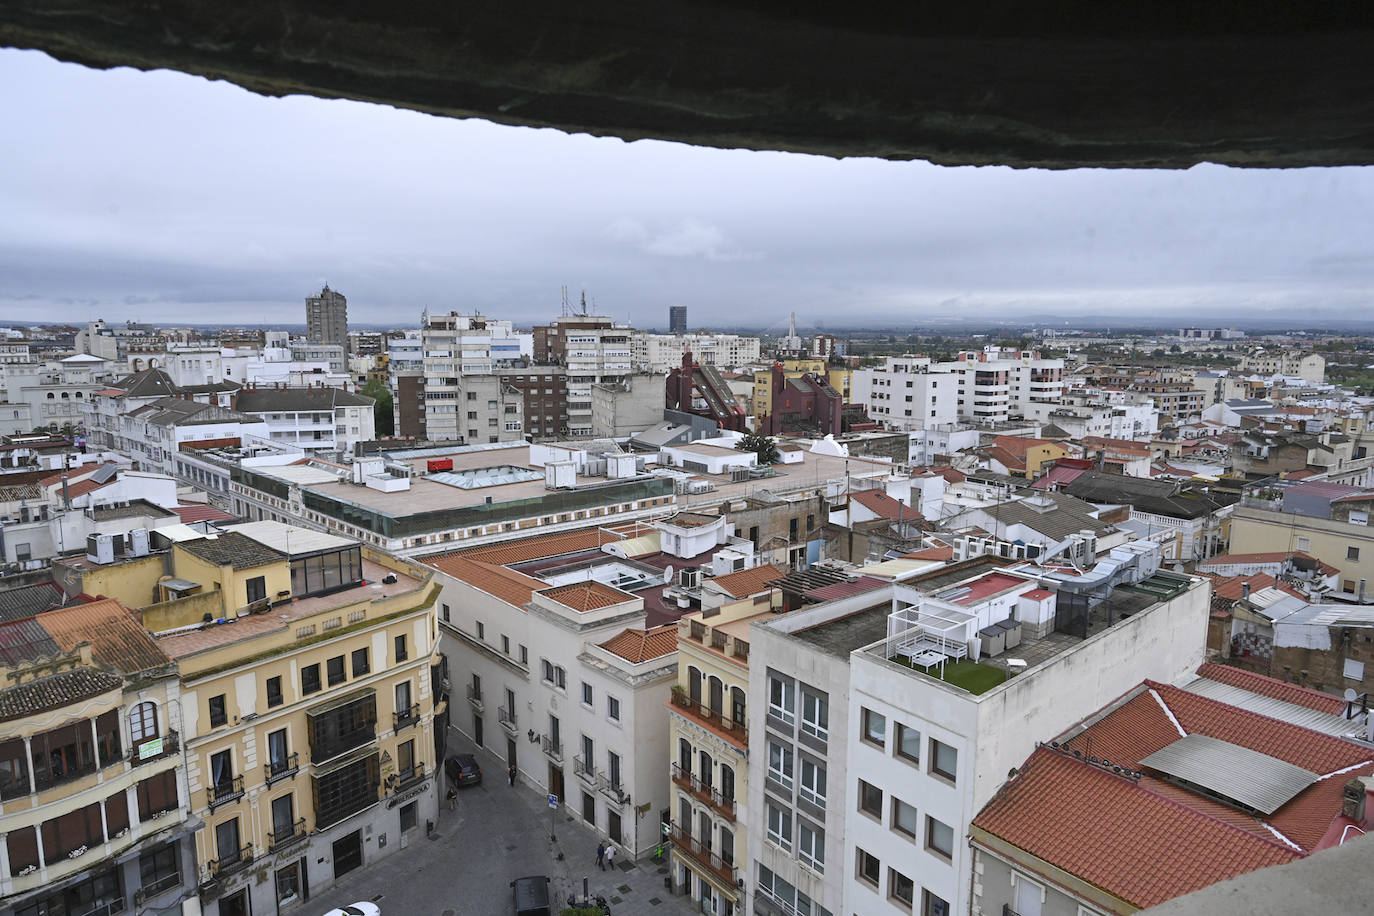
505	644
1354	669
904	818
908	743
900	887
143	722
867	868
780	827
586	694
613	709
939	837
218	712
481	631
1352	553
1304	543
277	751
310	678
870	799
811	846
815	715
524	655
944	760
932	905
780	764
548	670
257	588
401	653
874	728
158	869
335	668
274	697
360	665
782	700
613	768
560	677
444	613
812	782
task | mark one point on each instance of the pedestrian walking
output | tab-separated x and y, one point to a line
452	797
601	856
610	855
511	774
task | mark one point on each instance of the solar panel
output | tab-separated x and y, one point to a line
1237	774
104	473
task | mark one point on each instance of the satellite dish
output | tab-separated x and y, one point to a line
668	574
1350	694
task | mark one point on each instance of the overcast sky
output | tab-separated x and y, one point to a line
169	198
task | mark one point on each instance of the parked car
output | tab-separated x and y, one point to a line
532	896
361	908
463	770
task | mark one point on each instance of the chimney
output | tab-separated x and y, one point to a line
1353	798
1245	590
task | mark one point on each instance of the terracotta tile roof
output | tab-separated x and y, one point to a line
510	586
202	513
1273	687
28	600
748	581
943	554
1099	827
71	473
1019	445
54	692
117	639
531	548
884	506
1233	587
951	475
1008	460
642	645
586	596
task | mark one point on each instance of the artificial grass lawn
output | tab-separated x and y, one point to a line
969	675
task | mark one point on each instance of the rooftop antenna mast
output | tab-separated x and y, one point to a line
565	299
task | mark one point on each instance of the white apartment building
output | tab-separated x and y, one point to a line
558	675
319	419
594	356
459	356
661	352
997	383
153	434
55	392
1080	418
875	814
909	392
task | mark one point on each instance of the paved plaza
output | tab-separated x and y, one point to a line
498	833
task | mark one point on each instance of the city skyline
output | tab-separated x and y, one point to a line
168	198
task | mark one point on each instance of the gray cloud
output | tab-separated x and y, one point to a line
167	197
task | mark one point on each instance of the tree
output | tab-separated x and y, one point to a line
760	445
382	412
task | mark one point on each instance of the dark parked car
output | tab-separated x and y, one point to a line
463	770
532	896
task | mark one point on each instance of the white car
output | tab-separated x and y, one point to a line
361	908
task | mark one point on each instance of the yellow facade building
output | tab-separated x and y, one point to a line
93	799
709	744
307	708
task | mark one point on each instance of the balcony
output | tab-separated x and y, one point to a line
232	862
612	790
475	698
507	719
406	779
714	719
284	837
724	805
553	748
152	888
277	770
584	769
702	855
406	717
224	793
155	748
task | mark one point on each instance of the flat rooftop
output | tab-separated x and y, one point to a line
285	616
843	635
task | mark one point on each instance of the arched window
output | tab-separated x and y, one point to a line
66	396
51	396
694	683
78	394
143	722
